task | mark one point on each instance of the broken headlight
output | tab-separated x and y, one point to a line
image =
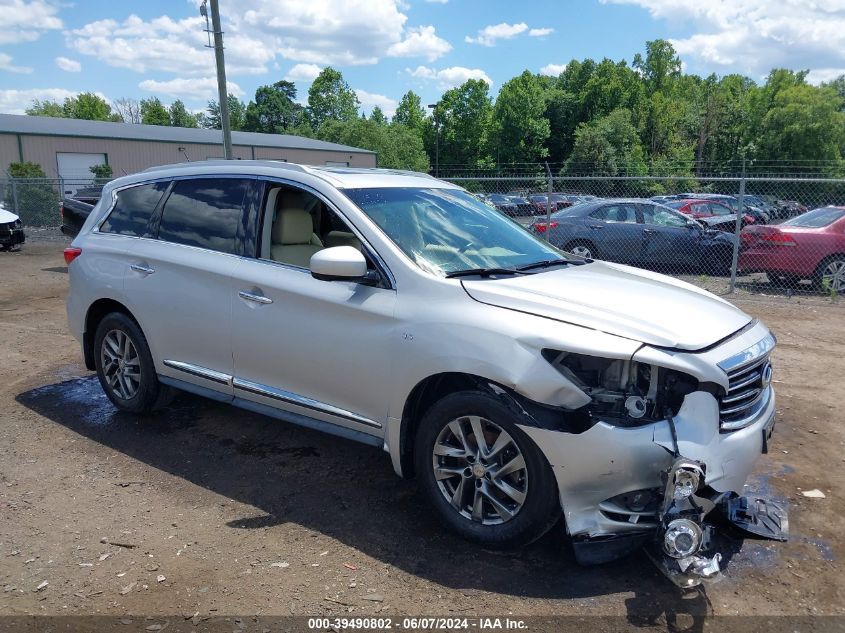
624	392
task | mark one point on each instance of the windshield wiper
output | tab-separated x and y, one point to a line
546	263
485	272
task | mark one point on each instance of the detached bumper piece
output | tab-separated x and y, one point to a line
683	549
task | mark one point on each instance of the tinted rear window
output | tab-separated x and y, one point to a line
133	209
817	218
204	212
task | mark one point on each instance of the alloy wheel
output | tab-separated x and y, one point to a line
833	276
582	251
480	470
121	364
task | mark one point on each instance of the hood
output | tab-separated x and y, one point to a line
7	216
619	300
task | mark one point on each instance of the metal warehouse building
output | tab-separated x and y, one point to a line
67	148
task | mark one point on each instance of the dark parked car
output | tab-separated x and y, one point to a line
715	214
74	213
640	233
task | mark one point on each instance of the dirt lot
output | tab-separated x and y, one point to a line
228	512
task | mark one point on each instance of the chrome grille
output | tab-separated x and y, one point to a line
748	392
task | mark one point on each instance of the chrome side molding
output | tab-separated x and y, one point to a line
301	401
199	372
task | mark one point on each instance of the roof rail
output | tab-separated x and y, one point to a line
219	162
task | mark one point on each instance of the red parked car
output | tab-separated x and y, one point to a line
708	209
809	246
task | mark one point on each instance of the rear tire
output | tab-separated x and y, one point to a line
830	275
501	493
582	248
125	366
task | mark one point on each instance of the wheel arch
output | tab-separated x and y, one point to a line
433	388
96	312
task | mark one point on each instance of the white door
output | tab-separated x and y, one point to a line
75	170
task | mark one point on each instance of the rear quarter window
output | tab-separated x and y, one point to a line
133	209
204	212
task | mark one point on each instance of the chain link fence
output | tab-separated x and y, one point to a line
762	234
37	201
758	234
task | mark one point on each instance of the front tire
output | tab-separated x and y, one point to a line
582	248
125	366
498	491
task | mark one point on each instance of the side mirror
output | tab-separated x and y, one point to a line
339	263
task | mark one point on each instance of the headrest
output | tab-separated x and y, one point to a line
292	226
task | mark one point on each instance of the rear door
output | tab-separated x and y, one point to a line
179	279
614	230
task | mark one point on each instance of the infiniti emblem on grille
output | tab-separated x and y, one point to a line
766	375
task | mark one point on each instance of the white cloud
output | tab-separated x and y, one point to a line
351	32
369	100
420	42
449	77
68	65
437	1
198	88
754	36
489	34
303	72
166	45
543	32
822	75
26	20
7	65
552	70
17	101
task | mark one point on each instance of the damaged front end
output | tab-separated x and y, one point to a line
658	456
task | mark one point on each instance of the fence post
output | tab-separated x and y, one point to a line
549	204
15	197
739	215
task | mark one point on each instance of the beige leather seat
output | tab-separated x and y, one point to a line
293	239
342	238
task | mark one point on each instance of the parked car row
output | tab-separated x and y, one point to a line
11	230
641	233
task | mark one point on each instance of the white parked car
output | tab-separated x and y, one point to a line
516	382
11	230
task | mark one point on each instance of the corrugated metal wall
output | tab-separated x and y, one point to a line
129	156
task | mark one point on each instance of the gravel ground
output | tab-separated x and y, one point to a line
206	508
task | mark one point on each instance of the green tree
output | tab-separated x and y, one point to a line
331	98
804	124
45	108
275	110
463	117
398	146
237	114
35	202
101	172
660	67
609	146
179	115
519	128
153	112
410	111
377	115
87	105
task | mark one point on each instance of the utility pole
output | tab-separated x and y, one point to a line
433	107
223	94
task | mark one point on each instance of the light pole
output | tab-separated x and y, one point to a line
433	107
222	93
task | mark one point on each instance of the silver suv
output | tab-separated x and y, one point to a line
516	382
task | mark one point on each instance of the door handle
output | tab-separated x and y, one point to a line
140	268
649	231
249	296
595	226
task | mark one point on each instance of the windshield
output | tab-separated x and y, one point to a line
446	230
817	218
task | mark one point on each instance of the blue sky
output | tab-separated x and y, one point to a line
54	48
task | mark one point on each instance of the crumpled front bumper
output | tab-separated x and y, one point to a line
607	461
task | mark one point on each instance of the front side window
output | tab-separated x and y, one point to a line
447	230
663	217
205	212
133	209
